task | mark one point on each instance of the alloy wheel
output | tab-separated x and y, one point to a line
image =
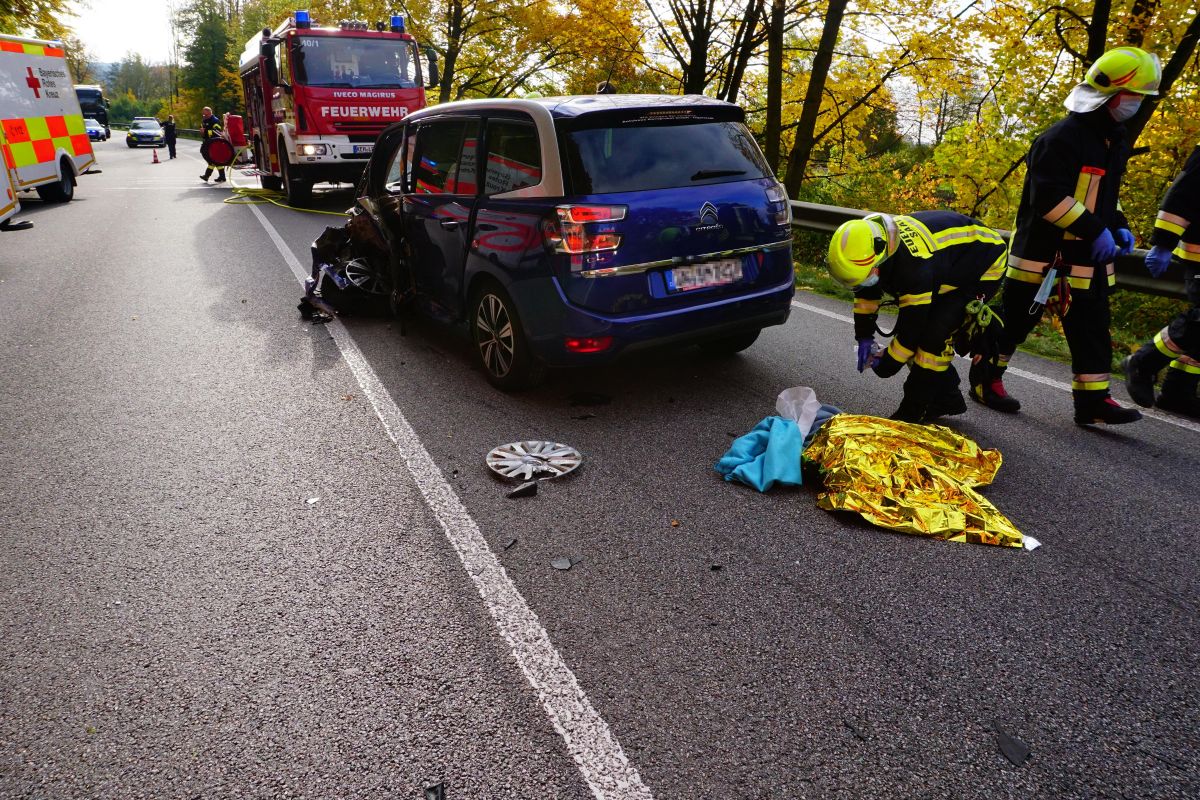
494	335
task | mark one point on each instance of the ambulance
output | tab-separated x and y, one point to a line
45	145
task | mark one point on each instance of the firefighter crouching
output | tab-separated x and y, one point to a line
211	129
1069	216
941	267
1176	237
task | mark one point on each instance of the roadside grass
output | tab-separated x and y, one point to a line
1135	316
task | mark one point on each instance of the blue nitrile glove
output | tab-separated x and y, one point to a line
1124	241
864	352
1103	247
1157	261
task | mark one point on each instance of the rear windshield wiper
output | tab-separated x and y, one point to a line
717	173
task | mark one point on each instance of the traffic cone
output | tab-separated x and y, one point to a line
155	159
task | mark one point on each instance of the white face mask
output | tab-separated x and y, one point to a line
869	281
1125	108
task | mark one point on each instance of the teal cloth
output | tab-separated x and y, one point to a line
767	455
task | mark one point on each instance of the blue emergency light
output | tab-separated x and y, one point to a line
303	20
397	23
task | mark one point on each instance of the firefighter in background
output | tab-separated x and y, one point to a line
1177	346
942	267
212	128
1069	216
169	136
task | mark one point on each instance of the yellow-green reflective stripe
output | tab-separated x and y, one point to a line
967	234
1186	255
866	306
1165	345
1193	369
1089	386
1169	226
1073	213
1082	284
1023	276
916	299
931	362
899	351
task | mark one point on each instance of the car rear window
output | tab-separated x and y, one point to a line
637	157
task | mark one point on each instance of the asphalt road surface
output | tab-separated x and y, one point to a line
246	556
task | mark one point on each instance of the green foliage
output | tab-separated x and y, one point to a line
127	106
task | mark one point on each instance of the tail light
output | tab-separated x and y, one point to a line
588	344
571	234
777	201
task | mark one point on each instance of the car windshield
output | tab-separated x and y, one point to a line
355	63
144	125
89	99
641	156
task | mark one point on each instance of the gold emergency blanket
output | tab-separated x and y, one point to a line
911	478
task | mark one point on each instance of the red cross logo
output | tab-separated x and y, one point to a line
33	83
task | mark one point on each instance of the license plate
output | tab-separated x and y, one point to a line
702	276
363	148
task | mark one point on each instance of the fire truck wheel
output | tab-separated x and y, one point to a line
298	191
60	191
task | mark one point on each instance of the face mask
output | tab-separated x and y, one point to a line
1125	107
869	281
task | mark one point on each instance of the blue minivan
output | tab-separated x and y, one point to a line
567	231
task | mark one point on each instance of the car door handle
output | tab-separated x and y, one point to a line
449	224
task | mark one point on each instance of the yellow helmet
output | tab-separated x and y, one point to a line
1129	69
857	248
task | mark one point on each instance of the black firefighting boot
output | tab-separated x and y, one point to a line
1179	393
1141	369
206	175
987	386
947	400
1098	408
220	176
919	388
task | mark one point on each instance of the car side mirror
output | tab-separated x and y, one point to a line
434	76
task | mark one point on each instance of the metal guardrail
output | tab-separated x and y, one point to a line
1131	269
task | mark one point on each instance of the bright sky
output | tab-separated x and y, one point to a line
112	28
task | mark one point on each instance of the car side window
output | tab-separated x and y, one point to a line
398	170
439	146
514	156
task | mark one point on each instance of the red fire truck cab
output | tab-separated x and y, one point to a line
317	98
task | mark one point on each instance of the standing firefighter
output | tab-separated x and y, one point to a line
941	267
1176	233
212	129
1069	219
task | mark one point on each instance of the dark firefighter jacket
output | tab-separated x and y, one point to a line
1070	194
212	126
1178	223
942	258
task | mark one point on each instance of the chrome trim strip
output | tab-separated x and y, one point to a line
678	261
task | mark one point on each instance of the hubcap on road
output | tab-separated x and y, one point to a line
529	460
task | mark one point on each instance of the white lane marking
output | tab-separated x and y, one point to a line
591	743
1020	373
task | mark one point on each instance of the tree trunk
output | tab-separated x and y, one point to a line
773	131
746	41
1140	16
1098	31
1173	69
696	76
805	141
454	32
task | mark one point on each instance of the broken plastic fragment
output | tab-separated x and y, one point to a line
1013	748
1032	543
857	728
527	489
435	792
312	500
565	563
509	543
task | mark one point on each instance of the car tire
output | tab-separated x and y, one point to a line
728	345
501	348
132	145
61	191
298	191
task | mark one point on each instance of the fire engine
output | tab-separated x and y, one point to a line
44	143
318	97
